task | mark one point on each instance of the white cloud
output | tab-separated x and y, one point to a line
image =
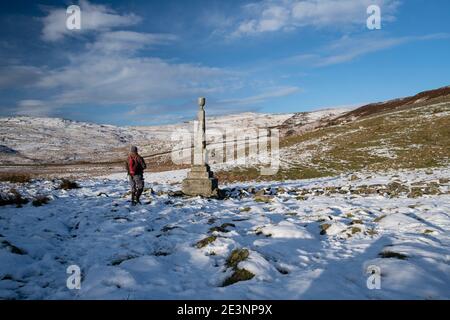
348	48
270	15
32	107
93	18
109	71
269	94
128	41
18	75
120	79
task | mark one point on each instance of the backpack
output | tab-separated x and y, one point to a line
135	165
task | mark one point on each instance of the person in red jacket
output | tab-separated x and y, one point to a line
135	167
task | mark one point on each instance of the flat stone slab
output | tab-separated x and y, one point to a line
205	187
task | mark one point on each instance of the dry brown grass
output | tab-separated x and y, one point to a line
15	177
68	185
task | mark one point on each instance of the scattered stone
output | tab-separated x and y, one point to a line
238	275
148	191
259	193
432	189
40	200
282	270
415	192
121	259
102	194
378	219
161	253
323	228
395	188
168	228
12	248
177	193
68	185
204	242
236	256
227	224
356	230
222	228
240	219
12	197
280	190
264	199
251	190
391	254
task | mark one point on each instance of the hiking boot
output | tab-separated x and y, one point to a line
138	196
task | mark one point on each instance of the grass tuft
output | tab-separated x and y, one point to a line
40	200
204	242
392	254
68	185
13	197
16	178
238	275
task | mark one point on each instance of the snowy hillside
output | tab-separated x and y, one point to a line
53	140
305	239
27	140
302	122
407	137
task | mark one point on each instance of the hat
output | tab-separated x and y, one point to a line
133	149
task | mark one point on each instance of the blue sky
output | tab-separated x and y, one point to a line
146	62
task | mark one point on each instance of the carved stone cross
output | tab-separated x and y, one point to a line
200	180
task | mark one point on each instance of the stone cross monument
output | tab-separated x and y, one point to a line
200	180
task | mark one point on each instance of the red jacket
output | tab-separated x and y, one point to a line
136	165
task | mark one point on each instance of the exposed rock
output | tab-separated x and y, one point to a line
323	228
261	198
204	242
391	254
236	256
238	275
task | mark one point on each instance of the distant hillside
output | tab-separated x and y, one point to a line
302	122
43	141
413	132
408	102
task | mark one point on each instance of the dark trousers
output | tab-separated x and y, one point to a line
137	186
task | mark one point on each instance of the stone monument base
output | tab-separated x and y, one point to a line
200	182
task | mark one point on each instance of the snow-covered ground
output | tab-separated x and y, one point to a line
306	239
